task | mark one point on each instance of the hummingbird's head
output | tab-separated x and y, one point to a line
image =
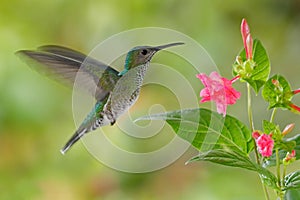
142	54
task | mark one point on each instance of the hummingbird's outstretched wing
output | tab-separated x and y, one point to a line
67	66
94	119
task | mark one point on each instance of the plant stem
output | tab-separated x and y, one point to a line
283	176
278	168
279	193
284	172
250	116
267	197
251	123
273	115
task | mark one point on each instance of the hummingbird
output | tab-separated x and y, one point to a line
114	92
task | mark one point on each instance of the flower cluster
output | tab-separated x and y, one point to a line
252	65
265	142
284	94
218	88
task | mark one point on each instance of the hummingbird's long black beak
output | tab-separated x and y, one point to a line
157	48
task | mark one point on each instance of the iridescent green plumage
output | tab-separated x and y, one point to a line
114	91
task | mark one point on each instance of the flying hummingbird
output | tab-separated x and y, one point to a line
115	92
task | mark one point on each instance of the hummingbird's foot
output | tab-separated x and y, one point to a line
112	122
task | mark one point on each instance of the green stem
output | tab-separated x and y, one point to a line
283	176
279	193
250	116
267	197
284	172
278	173
251	123
278	167
273	115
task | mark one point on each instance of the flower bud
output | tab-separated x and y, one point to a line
294	107
289	158
296	91
288	129
247	39
255	134
275	82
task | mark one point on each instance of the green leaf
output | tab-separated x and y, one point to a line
207	130
234	159
292	194
227	158
292	180
278	95
267	177
289	145
225	141
255	72
270	127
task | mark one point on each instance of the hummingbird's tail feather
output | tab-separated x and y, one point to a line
77	135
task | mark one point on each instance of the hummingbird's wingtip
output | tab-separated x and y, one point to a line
62	151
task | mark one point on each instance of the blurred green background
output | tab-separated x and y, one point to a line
36	113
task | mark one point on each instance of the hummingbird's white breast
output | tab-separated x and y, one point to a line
127	90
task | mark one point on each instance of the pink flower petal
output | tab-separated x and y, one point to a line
249	45
203	78
221	108
293	154
205	95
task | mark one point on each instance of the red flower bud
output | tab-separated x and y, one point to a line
294	107
296	91
247	39
289	156
275	82
255	134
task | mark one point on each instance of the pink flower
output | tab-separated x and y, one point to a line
264	143
219	90
247	39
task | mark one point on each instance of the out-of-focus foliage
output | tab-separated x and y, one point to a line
36	115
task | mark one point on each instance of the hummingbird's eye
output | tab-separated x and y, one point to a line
144	52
